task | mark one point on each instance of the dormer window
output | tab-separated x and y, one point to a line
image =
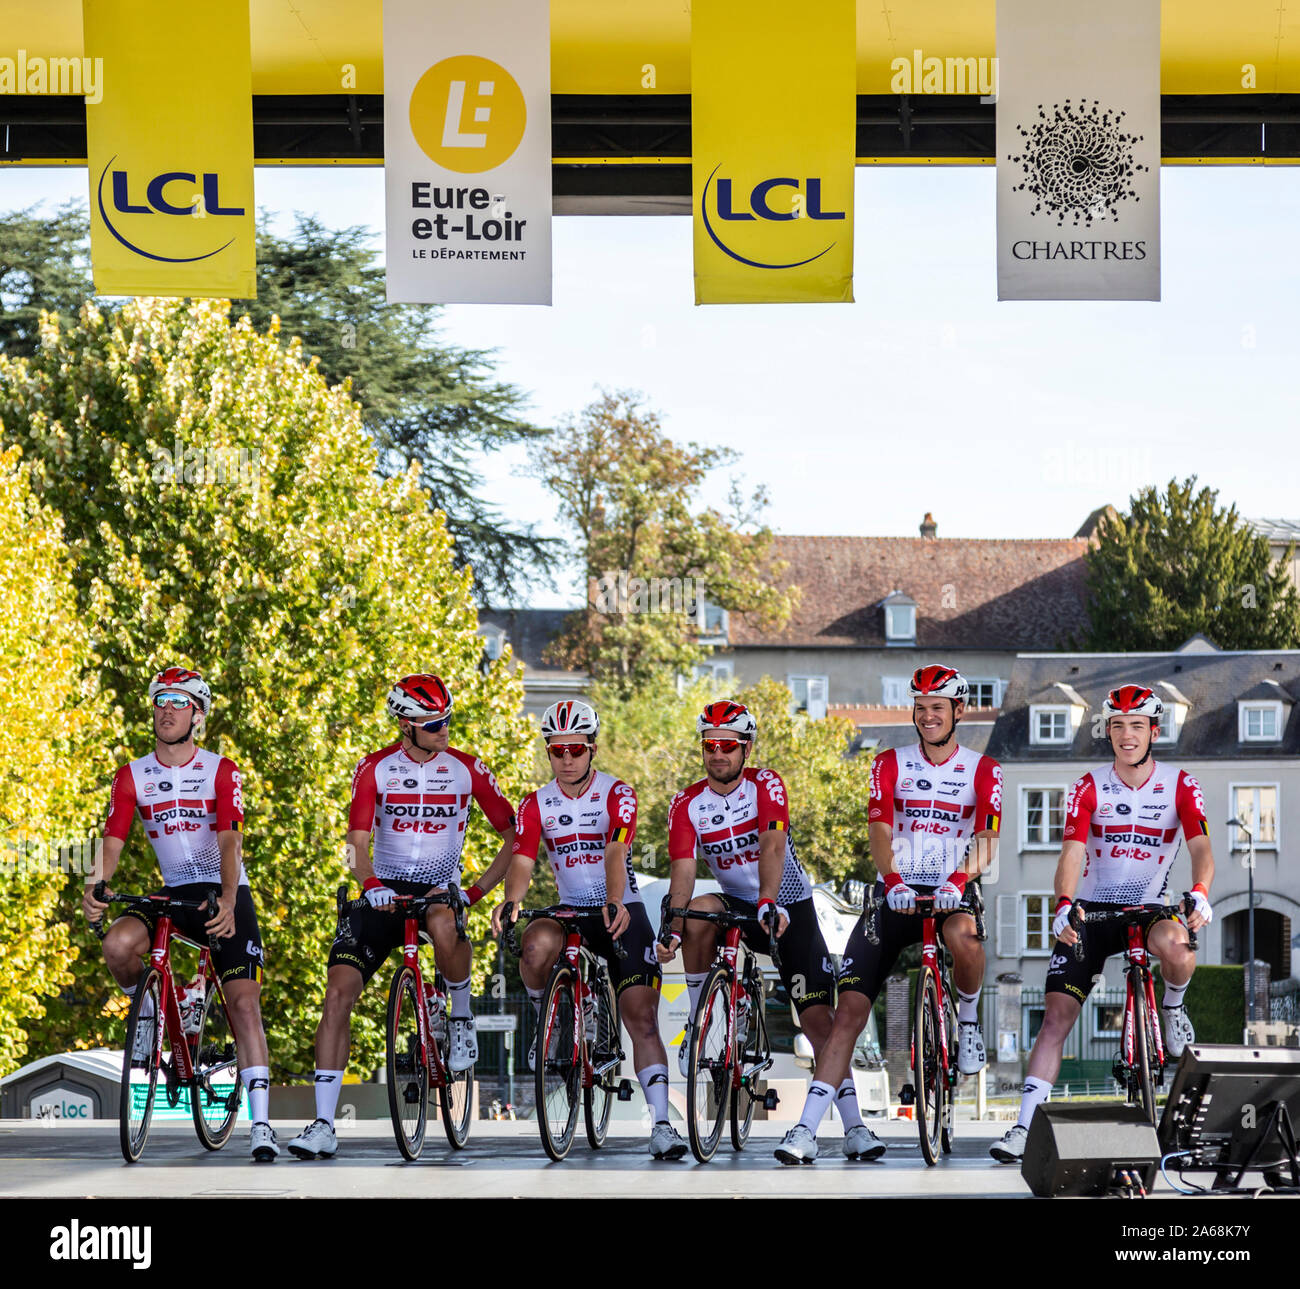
494	640
1048	725
1259	722
900	619
712	621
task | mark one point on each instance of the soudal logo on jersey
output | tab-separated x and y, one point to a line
420	812
729	215
184	194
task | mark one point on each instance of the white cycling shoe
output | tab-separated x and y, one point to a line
142	1049
861	1143
1011	1148
684	1051
315	1141
798	1146
1178	1031
464	1044
262	1144
666	1142
970	1047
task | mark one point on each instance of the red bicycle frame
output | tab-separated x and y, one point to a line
411	958
729	953
160	955
930	958
572	953
1136	955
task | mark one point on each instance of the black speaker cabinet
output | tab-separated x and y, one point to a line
1080	1150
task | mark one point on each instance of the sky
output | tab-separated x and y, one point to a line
927	394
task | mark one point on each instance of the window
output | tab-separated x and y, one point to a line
1049	725
494	639
900	623
1036	913
716	670
1031	1019
1256	806
1259	722
895	691
809	693
984	693
712	619
1108	1019
1043	813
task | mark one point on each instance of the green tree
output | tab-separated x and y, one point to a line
1178	563
627	491
222	510
44	264
423	399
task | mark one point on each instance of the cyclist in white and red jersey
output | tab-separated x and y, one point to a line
414	799
738	819
933	817
191	803
1120	843
586	819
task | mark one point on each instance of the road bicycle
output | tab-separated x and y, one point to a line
1140	1064
730	1050
202	1063
578	1035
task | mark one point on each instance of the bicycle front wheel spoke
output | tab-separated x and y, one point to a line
408	1071
708	1079
558	1072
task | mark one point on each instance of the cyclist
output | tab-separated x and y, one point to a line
587	819
738	817
191	804
934	815
1121	829
414	797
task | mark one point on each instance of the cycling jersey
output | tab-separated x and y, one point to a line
183	808
576	831
934	809
1131	834
418	810
727	826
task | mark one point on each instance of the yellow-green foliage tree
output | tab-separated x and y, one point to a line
222	509
50	722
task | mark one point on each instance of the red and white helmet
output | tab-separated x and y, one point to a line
570	717
419	697
1132	700
736	718
181	680
938	681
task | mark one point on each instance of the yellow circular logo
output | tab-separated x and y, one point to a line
467	114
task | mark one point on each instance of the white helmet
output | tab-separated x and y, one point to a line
570	717
1132	700
735	718
181	680
938	681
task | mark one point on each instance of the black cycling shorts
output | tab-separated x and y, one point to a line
804	962
640	966
865	966
1066	974
239	956
366	936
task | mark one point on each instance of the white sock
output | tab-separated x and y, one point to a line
694	983
329	1083
1173	996
968	1007
1035	1093
257	1083
458	992
146	1009
654	1083
535	997
818	1101
846	1103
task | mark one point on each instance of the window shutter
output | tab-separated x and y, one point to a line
1007	940
817	692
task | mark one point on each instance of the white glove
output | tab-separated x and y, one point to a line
901	898
1202	904
379	896
948	896
770	914
1062	919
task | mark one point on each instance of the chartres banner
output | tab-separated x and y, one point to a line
170	148
1078	138
467	150
773	121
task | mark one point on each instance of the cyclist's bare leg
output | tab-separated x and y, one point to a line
816	1023
243	1006
638	1007
125	945
541	946
1059	1014
343	987
1167	941
700	939
837	1051
453	956
967	953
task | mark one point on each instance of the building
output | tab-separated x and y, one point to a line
528	632
1281	535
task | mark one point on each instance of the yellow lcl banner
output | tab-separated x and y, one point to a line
170	148
773	113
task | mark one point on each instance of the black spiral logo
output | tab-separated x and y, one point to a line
1077	162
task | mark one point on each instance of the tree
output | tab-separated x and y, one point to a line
1178	564
44	264
627	491
222	510
422	398
52	728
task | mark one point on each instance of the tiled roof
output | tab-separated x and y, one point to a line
1277	530
528	632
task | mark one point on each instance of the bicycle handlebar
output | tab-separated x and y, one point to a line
726	918
413	905
1080	917
100	892
557	913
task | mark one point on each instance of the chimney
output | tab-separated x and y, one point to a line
928	527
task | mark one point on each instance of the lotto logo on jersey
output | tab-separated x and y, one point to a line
995	793
237	790
626	802
775	788
1198	800
1076	795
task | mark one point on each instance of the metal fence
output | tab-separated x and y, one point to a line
1284	1001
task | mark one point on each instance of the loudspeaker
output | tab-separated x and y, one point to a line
1080	1150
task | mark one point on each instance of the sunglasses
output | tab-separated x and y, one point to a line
574	750
721	744
434	726
173	700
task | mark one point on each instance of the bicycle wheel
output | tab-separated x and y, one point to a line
927	1078
140	1076
752	1052
217	1088
708	1070
602	1041
559	1069
408	1073
1144	1050
948	1078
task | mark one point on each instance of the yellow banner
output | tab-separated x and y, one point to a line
773	113
170	148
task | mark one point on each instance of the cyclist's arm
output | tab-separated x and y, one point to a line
526	840
1068	869
110	855
616	871
983	850
359	860
500	865
771	863
982	855
881	838
496	809
1202	871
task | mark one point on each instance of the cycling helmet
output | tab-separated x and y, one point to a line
570	717
419	697
1132	700
181	680
726	715
938	681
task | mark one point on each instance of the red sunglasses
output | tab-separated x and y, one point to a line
574	750
721	744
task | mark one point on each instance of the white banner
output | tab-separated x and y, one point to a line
1078	138
467	151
